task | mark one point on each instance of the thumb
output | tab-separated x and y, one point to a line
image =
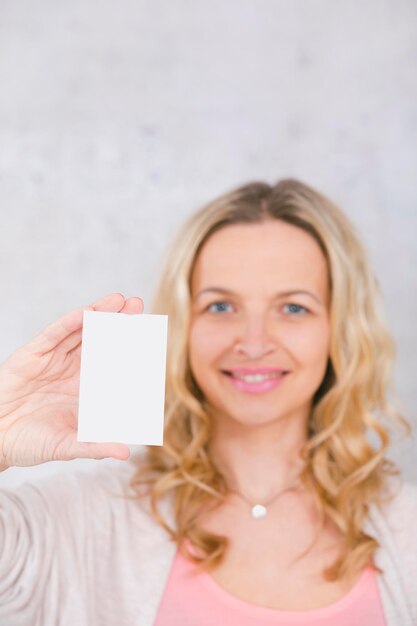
81	450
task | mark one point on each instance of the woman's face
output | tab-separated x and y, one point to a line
259	333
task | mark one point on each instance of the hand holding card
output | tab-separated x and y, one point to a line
122	378
39	392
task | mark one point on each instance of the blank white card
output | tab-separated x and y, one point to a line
122	378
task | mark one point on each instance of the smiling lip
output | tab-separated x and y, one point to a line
256	387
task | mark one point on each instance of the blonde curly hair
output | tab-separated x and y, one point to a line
344	471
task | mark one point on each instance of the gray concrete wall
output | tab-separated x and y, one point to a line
118	119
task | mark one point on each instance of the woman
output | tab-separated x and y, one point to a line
268	502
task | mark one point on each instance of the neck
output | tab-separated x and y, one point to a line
258	461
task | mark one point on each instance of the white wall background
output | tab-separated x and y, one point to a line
118	119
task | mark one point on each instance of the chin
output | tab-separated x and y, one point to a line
248	418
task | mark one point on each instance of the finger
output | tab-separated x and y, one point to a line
76	352
71	342
113	302
133	305
53	334
58	331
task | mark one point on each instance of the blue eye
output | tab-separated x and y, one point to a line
295	308
219	307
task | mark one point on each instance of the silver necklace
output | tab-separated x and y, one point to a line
259	510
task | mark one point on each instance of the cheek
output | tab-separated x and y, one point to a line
310	343
320	343
205	344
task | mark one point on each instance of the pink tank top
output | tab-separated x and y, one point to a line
192	599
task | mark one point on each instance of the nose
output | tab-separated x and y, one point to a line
254	339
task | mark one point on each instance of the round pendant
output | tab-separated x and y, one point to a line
258	511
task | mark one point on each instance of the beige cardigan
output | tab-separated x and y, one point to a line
75	552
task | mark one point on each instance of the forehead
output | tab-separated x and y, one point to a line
264	254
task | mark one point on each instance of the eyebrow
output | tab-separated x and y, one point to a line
290	292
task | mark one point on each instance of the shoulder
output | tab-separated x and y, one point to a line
398	513
400	509
89	538
394	525
84	496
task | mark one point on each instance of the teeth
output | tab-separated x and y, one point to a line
257	378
